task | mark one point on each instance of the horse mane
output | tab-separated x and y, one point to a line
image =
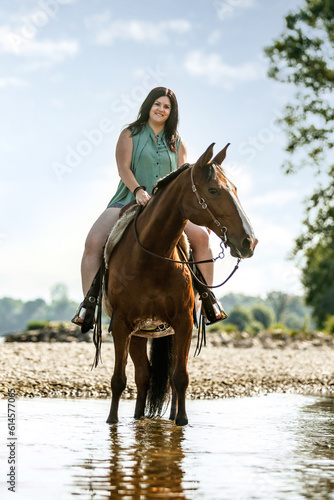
164	181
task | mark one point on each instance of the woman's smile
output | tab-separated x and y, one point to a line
160	110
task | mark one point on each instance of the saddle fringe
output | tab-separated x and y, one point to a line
97	334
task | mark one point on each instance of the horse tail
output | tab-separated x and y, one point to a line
161	362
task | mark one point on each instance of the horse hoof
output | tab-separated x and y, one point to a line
138	416
112	420
181	421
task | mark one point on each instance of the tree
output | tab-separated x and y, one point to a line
304	56
62	308
263	314
317	245
279	302
240	317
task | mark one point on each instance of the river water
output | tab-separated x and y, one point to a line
268	447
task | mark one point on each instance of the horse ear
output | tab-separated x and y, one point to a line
206	157
220	157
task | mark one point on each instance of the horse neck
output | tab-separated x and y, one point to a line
161	223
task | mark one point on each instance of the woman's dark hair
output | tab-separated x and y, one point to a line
172	121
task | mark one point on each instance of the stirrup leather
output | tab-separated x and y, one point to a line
90	302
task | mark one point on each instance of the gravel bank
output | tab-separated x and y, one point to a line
64	369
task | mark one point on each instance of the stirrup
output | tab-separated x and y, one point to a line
89	318
86	310
85	315
213	309
79	315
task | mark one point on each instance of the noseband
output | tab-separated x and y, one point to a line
204	205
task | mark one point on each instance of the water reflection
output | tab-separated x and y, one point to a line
275	447
145	462
315	450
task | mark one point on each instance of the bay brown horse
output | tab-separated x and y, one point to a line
141	287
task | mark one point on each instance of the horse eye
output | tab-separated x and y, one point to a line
213	190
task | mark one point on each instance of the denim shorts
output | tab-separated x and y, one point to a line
115	205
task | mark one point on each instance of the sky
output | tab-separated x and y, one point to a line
73	73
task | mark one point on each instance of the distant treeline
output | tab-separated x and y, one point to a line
15	314
278	308
242	310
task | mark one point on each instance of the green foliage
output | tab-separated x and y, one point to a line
329	324
216	327
279	302
255	327
241	317
262	314
278	326
16	314
232	300
277	306
317	248
293	321
230	328
36	324
304	56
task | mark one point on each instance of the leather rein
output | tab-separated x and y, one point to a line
223	239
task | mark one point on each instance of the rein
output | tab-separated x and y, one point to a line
188	263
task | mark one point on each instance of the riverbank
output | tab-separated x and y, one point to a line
227	367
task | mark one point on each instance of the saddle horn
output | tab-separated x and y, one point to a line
220	157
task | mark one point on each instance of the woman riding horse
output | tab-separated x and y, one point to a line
148	149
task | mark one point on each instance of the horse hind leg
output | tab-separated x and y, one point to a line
122	338
138	353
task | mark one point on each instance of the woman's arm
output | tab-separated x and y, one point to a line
181	155
124	150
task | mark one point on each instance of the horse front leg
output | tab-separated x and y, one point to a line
138	353
121	336
180	378
173	407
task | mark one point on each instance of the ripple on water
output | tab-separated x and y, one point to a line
277	447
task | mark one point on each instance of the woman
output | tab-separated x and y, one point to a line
148	149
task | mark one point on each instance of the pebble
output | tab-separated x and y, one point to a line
225	368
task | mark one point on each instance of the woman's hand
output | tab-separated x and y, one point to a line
142	197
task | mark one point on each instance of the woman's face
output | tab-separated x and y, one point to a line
160	110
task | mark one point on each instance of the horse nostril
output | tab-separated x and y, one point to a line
246	244
249	243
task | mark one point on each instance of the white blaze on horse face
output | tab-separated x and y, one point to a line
244	219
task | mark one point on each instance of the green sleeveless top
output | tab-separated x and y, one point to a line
150	162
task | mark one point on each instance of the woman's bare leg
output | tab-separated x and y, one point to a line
200	243
97	236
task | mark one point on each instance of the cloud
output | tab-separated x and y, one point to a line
212	68
275	198
241	176
214	37
228	8
107	31
12	81
14	43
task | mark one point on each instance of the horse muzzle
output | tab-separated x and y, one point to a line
245	249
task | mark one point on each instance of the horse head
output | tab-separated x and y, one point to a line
218	206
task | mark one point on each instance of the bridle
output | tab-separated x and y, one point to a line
223	238
204	205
